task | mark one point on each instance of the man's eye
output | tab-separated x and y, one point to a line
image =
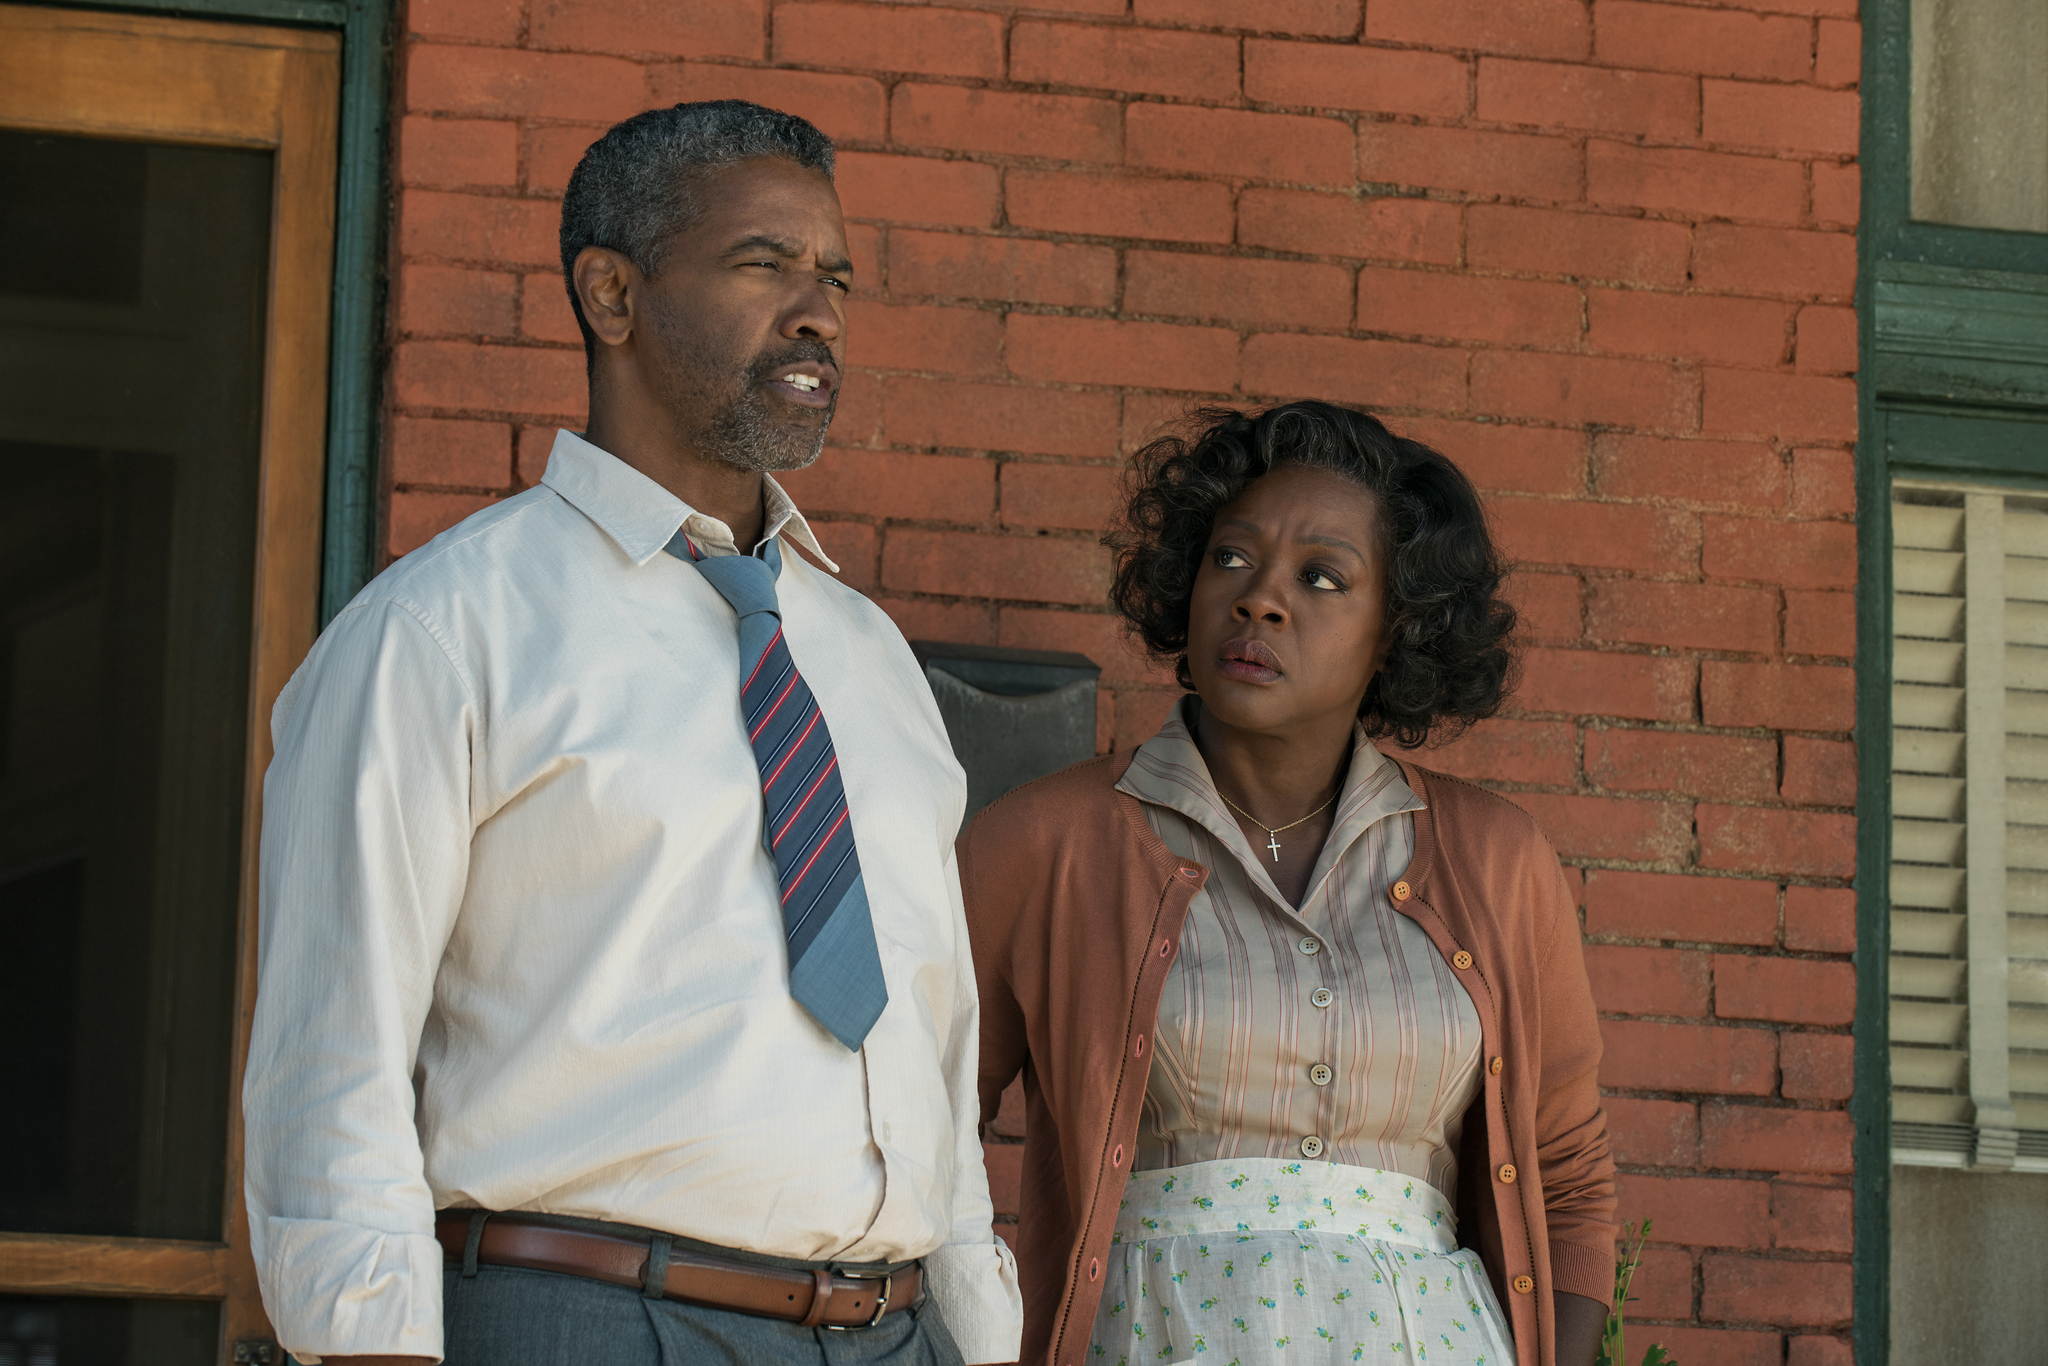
836	283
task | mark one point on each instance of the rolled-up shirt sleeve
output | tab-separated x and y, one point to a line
365	853
973	1274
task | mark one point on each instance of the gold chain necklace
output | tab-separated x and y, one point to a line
1273	831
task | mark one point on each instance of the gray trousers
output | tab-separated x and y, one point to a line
508	1316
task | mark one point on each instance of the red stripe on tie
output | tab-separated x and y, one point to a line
823	845
761	661
816	717
790	687
807	796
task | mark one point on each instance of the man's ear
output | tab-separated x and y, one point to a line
608	288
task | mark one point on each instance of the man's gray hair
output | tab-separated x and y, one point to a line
636	186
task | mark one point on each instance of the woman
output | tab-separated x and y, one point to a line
1299	1026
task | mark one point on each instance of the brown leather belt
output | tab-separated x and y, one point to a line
811	1298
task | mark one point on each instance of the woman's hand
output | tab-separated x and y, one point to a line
1580	1323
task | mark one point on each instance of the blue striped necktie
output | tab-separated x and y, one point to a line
835	971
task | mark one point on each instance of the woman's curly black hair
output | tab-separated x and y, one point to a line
1448	663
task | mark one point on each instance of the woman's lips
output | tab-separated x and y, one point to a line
1248	661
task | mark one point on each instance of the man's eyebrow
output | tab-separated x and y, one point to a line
788	251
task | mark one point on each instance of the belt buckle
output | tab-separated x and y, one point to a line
881	1304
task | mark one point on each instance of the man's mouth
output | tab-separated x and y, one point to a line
1248	661
807	384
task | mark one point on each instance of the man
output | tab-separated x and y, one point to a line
608	898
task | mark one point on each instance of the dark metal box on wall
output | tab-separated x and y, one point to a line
1012	715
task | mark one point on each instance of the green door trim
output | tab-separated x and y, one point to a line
355	357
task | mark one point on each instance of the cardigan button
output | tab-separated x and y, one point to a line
1524	1284
1495	1066
1507	1173
1402	891
1461	960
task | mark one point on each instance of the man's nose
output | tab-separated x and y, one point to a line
814	313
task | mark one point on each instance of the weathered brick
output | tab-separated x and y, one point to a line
1827	340
1823	482
1643	1055
493	82
922	412
917	189
844	107
544	311
448	153
970	623
1497	457
445	301
1510	751
731	28
1819	772
854	547
1818	1066
1600	683
1103	351
1610	827
895	484
1535	28
1591	246
1639	322
1812	1218
1730	767
1818	1349
1838	55
1820	919
1705	42
1596	535
450	452
482	228
1341	76
1774	261
1098	634
925	40
1698	616
552	151
417	518
1560	95
492	379
1759	839
479	21
1691	909
1378	228
1783	696
1767	189
1059	127
1029	568
1222	288
957	341
1376	373
1119	206
1635	981
1796	554
969	266
1546	605
1584	389
1324	18
1782	1293
1236	142
1431	303
1662	1288
1789	407
1653	1133
857	421
1196	66
1689	470
1837	194
1793	117
1715	1346
535	442
1699	1211
1475	161
1784	990
1140	712
1082	497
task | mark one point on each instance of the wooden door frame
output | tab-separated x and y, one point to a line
225	85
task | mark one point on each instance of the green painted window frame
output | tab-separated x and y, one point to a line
1953	385
348	555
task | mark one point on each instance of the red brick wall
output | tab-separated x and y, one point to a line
1601	253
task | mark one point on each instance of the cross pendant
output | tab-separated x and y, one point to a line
1273	843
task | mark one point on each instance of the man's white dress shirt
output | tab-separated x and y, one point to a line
522	948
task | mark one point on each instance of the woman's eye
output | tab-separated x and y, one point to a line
1316	578
1229	559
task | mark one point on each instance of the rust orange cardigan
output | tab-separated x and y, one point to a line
1075	908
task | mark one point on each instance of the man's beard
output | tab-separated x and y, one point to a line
744	434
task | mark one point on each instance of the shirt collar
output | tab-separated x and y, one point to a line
642	517
1168	770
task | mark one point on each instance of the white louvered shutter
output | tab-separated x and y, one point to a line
1969	875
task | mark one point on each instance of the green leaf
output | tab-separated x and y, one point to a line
1656	1356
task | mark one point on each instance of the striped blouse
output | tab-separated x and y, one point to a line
1333	1030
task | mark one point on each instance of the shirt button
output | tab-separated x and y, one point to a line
1321	997
1402	891
1495	1066
1311	1146
1311	945
1320	1074
1524	1284
1461	960
1507	1173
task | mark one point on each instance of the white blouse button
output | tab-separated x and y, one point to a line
1321	997
1311	1146
1310	945
1320	1074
